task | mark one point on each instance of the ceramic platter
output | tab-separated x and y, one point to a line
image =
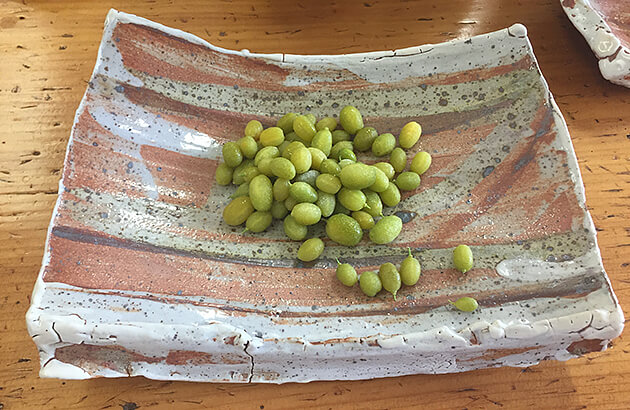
605	24
141	276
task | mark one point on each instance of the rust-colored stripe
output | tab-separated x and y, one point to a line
91	358
189	62
97	266
180	179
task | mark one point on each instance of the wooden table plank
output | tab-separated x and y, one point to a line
47	51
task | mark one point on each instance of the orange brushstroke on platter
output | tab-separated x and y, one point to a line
172	172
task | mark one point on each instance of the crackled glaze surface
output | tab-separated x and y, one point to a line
141	277
605	24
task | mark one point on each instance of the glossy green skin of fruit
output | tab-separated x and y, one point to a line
357	176
329	123
326	203
306	213
302	160
381	182
383	144
278	210
261	193
408	181
258	221
253	129
390	278
365	138
245	174
466	304
343	230
311	118
351	119
347	154
310	250
238	175
290	202
248	146
264	166
323	141
304	129
237	211
328	183
352	199
387	169
272	136
283	147
391	196
346	274
410	270
283	168
286	122
386	230
318	157
242	190
345	162
340	135
232	155
303	192
290	148
463	258
293	229
373	203
370	283
365	220
338	147
421	162
340	209
410	134
266	152
310	177
330	166
398	159
223	174
281	189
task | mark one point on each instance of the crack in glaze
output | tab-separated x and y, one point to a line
251	357
399	55
57	333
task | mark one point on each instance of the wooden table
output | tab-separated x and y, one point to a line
48	50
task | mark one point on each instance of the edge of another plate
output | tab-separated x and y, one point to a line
613	55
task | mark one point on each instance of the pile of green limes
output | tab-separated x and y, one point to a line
303	170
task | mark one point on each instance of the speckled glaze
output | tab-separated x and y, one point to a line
141	277
605	24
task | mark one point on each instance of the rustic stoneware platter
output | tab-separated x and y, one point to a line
141	276
605	24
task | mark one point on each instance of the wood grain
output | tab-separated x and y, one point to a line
48	50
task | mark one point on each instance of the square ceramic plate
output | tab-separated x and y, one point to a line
605	24
141	277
